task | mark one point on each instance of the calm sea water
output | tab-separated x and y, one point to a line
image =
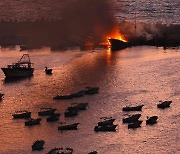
151	11
139	75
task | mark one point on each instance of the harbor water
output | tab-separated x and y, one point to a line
133	76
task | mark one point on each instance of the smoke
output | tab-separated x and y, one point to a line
149	31
88	18
79	21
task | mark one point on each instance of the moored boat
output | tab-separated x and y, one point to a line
164	104
1	96
106	122
53	117
32	122
133	108
91	90
21	114
131	118
151	120
22	68
46	111
38	145
108	128
93	152
68	127
61	151
135	124
71	112
69	96
82	106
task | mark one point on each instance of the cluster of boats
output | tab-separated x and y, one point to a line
87	91
105	125
133	120
24	68
44	112
73	110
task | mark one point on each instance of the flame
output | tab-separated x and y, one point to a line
116	35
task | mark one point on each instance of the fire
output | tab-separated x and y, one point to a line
115	35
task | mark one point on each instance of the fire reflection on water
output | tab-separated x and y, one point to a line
108	56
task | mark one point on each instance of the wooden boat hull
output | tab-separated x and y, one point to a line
135	124
69	127
117	44
46	112
33	122
132	118
1	96
106	122
152	120
54	117
133	108
38	145
17	73
164	104
22	115
109	128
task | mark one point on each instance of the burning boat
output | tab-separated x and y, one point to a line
116	44
23	68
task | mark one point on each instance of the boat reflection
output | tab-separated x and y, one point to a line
16	80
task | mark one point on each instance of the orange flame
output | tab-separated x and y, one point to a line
116	35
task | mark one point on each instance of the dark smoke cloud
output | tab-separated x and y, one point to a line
78	21
83	18
149	31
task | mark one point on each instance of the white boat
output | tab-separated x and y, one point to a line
23	68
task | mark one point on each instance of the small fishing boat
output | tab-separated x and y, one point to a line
78	94
46	111
135	124
61	151
32	122
107	128
151	120
68	127
106	122
21	114
69	96
133	108
93	152
48	70
82	106
22	68
71	112
1	96
131	118
91	90
53	117
78	106
164	104
38	145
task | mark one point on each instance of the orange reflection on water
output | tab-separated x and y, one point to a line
108	56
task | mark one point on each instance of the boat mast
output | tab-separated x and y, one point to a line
23	57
